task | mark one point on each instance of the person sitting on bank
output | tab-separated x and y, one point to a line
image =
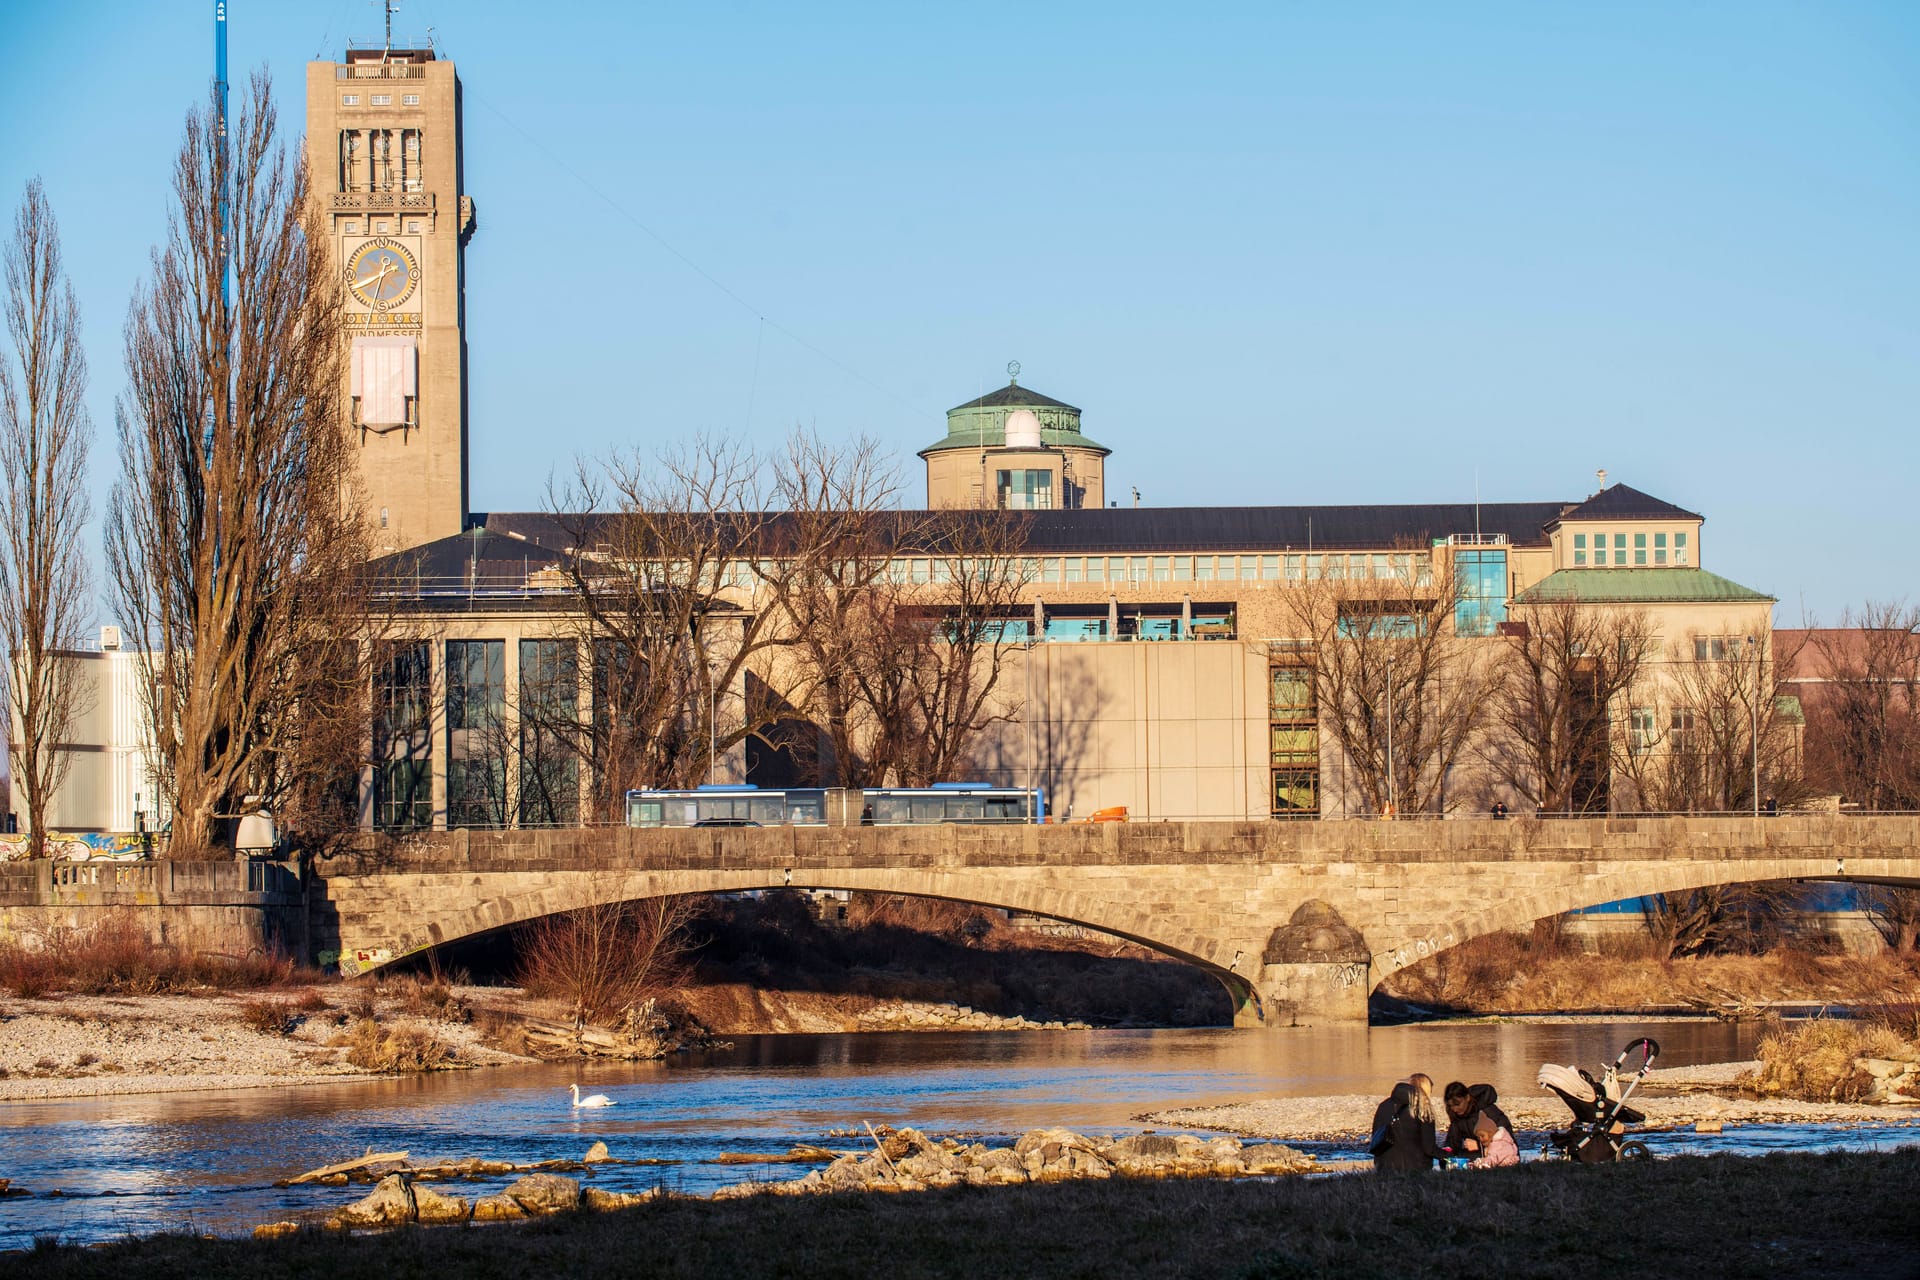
1465	1104
1403	1130
1495	1142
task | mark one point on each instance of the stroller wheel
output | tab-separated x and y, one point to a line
1635	1151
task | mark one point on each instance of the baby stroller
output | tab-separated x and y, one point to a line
1600	1110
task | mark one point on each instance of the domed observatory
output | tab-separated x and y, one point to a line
1018	450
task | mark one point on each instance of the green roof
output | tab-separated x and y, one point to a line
1638	586
982	423
994	436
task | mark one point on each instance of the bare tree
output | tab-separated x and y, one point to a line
606	958
45	434
1734	917
1863	718
235	552
829	575
662	601
1558	685
1401	696
1895	913
928	641
1717	706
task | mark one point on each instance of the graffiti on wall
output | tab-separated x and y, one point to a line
86	846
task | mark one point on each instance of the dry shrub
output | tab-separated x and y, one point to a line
116	957
604	959
1816	1061
28	973
430	996
311	1001
269	1017
405	1047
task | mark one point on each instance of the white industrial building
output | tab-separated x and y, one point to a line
111	773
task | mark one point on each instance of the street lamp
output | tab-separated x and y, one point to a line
1754	703
1393	794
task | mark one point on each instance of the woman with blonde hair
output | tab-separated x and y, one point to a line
1403	1135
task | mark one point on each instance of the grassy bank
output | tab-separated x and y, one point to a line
1842	1215
1545	971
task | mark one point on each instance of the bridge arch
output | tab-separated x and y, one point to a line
571	891
1516	912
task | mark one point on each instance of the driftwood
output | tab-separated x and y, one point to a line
802	1154
348	1166
590	1041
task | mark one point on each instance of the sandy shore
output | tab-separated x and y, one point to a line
1671	1099
81	1046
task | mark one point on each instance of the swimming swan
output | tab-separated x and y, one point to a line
592	1100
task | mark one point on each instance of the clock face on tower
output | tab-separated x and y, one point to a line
381	273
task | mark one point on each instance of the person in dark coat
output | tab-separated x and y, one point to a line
1403	1130
1465	1105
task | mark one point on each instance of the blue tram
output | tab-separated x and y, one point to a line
750	806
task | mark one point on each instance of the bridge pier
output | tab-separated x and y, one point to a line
1308	995
1316	969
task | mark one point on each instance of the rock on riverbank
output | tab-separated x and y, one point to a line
908	1160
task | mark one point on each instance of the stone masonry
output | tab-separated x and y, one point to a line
1300	920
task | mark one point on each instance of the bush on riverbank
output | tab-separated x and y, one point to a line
1822	1060
405	1046
116	957
1682	1219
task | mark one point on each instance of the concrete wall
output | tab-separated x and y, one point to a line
226	908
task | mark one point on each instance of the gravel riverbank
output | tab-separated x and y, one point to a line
82	1046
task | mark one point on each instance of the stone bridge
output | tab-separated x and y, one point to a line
1301	920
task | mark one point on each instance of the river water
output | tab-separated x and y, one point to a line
206	1162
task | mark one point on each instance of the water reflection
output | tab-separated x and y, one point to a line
203	1160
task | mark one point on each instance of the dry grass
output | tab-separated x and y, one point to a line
1520	973
403	1047
116	957
1816	1061
269	1017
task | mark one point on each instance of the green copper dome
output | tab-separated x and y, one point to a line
982	423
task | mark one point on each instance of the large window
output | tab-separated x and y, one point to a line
476	733
1294	733
1024	490
1480	578
549	733
403	738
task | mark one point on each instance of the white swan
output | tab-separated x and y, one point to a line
592	1100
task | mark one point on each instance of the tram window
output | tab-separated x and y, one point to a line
768	811
691	814
649	813
893	809
929	809
808	809
1004	809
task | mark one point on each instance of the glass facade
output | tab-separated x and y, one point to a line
1480	578
549	734
1294	730
476	733
1025	490
403	738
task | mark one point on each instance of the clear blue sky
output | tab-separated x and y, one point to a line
1279	253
